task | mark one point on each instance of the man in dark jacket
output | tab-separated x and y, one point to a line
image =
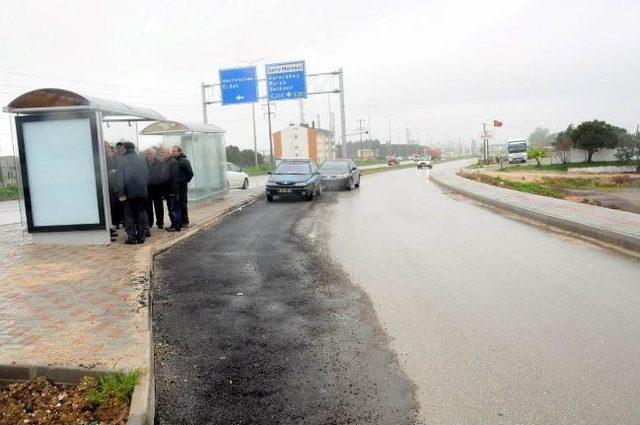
186	174
133	178
171	189
112	169
113	158
157	181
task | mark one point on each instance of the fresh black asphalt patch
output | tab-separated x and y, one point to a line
253	324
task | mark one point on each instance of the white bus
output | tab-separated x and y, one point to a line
517	150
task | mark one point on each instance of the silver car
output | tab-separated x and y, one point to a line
340	174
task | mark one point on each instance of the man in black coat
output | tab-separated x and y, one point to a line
171	171
133	179
186	174
157	182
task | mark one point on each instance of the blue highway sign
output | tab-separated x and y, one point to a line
238	85
286	81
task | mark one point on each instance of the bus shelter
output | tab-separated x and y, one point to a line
64	176
204	146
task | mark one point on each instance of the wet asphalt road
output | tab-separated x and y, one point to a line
253	324
494	320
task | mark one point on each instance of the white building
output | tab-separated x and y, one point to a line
304	141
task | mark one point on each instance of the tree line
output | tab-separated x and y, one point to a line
243	158
590	136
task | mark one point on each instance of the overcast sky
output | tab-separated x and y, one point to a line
440	69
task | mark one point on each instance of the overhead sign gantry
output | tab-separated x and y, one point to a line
284	81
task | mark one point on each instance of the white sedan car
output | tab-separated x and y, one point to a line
236	178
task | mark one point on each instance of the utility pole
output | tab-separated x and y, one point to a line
270	135
255	136
253	118
360	130
389	117
301	105
368	108
343	120
485	143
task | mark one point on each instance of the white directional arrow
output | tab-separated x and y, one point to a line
288	94
238	97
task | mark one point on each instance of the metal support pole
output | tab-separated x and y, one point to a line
343	121
255	137
270	136
204	102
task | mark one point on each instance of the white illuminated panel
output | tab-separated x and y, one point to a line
62	181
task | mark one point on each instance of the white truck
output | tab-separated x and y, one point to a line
517	150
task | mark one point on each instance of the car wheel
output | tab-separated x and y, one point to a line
358	184
310	196
245	184
269	198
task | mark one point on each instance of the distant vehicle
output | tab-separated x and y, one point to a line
295	177
517	150
425	162
393	161
340	173
435	153
236	178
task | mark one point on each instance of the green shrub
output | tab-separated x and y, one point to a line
9	192
113	385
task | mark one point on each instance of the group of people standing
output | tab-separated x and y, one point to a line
140	187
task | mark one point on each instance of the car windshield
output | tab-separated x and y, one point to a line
517	147
334	167
293	168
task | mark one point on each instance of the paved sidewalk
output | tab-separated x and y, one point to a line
605	224
84	305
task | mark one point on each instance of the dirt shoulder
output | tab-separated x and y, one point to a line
619	191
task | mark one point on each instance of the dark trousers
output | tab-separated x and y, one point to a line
115	206
175	213
135	218
154	202
182	199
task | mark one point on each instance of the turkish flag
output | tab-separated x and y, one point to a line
497	123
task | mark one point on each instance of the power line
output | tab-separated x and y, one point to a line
24	74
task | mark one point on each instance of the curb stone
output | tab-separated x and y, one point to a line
624	240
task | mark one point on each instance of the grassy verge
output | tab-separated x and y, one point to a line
559	167
371	162
389	168
260	170
557	187
9	193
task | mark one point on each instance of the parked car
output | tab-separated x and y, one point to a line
340	173
295	177
393	161
424	162
236	178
